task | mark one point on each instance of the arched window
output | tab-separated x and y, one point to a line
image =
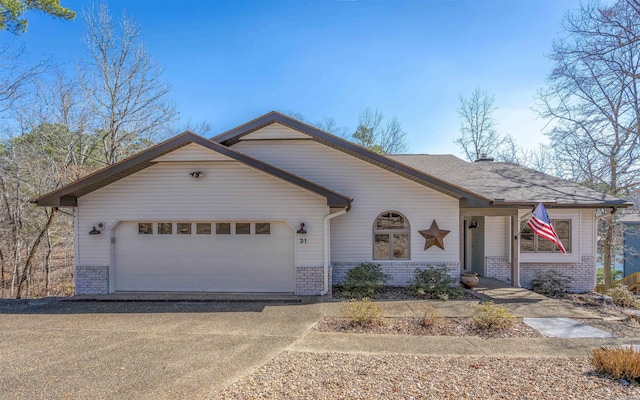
391	237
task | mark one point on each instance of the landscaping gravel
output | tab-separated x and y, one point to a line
629	328
412	326
400	293
298	375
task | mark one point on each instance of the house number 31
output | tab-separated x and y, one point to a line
303	240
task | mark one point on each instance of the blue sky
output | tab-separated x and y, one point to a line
231	61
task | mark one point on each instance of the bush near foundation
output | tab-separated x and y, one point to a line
435	283
363	280
617	362
552	283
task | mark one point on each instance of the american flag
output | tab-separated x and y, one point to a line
540	224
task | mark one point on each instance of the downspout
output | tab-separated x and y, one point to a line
327	247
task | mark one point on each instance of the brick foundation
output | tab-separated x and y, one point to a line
92	280
401	273
582	274
310	281
498	268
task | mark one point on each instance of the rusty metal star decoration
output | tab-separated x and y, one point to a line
434	236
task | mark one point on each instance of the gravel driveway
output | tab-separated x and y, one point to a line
141	350
302	375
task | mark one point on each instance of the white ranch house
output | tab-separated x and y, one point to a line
225	215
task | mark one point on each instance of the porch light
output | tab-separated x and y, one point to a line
302	231
94	231
473	225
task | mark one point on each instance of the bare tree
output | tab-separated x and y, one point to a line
202	128
15	75
327	124
541	158
366	134
59	121
330	125
372	134
122	85
479	136
23	226
593	100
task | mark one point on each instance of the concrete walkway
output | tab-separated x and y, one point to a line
522	303
526	303
314	341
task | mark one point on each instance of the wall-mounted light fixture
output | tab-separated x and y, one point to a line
96	231
302	231
473	225
197	174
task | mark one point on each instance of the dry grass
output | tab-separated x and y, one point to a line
431	318
617	362
622	296
493	317
361	312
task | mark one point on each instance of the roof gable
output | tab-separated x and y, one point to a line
67	195
192	152
276	131
235	135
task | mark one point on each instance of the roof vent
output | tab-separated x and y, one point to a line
483	157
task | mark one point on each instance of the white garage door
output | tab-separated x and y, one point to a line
204	257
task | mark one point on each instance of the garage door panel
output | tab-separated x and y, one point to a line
217	263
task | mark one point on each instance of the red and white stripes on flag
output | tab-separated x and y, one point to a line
540	224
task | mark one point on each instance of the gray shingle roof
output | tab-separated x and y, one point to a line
508	183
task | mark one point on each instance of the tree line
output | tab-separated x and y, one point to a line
60	123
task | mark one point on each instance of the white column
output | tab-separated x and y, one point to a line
515	251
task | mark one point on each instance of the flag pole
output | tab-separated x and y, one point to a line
528	217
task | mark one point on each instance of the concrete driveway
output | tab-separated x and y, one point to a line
142	350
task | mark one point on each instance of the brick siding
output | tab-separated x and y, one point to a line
498	268
401	273
92	280
582	274
310	281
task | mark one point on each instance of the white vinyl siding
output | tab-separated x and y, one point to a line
374	191
275	131
229	191
587	236
192	152
496	233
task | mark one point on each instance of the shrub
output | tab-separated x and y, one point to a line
430	317
363	281
493	317
551	283
361	312
435	283
622	296
618	363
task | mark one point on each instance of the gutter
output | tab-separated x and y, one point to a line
327	247
498	203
